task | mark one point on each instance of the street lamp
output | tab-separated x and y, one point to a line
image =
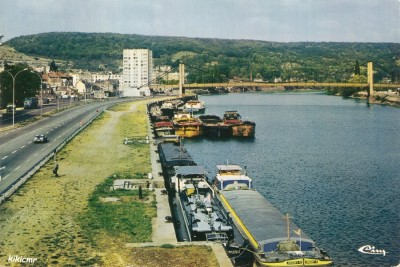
14	106
41	92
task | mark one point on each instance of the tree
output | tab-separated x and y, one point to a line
26	84
53	66
357	68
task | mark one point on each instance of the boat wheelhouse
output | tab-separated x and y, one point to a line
231	177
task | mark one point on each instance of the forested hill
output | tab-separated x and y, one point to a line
219	59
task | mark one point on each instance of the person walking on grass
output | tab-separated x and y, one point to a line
55	170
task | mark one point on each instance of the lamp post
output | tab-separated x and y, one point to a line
14	106
41	92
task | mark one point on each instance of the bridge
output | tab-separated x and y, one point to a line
370	85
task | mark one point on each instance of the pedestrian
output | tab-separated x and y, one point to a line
55	170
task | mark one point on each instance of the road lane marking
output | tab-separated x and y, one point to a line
4	157
14	151
26	161
17	168
23	146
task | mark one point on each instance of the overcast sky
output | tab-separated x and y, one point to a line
270	20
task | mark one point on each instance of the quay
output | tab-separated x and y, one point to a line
163	232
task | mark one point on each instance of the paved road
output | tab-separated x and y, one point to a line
18	153
24	114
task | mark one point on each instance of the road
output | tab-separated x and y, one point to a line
18	153
25	114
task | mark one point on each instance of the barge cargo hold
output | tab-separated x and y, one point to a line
173	154
203	219
214	127
264	228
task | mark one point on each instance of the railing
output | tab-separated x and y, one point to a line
279	84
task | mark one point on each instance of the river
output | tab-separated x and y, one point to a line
332	163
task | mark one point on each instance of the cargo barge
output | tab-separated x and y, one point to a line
195	214
196	199
214	127
261	227
239	127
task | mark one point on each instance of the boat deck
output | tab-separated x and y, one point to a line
260	220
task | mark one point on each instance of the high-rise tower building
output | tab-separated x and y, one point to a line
137	68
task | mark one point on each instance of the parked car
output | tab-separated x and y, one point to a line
40	138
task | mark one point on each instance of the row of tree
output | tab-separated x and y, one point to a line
218	60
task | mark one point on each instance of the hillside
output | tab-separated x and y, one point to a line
218	59
10	55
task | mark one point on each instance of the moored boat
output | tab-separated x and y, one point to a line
213	126
196	201
187	126
239	128
193	106
155	111
169	107
261	227
163	126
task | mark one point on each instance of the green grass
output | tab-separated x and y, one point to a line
128	219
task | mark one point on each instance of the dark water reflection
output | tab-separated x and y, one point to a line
332	163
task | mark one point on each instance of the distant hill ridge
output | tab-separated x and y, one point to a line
218	59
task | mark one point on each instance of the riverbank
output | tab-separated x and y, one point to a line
60	221
381	98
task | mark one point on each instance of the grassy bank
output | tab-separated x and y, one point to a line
68	221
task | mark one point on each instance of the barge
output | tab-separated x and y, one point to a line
173	154
163	126
214	127
239	127
203	220
193	106
260	227
187	126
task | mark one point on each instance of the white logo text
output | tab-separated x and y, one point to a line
368	249
16	258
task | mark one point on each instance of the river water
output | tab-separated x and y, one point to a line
332	163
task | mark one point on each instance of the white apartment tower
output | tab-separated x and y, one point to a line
137	68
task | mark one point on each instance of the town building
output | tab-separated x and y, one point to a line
137	72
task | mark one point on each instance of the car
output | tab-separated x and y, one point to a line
40	138
10	108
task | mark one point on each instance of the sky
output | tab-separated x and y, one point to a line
268	20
